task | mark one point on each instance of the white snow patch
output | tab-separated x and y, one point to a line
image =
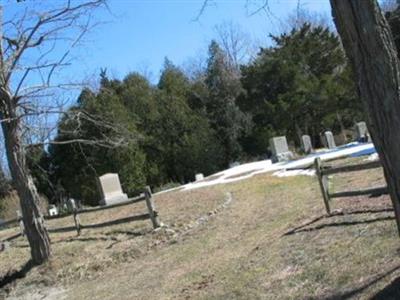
372	157
288	173
250	169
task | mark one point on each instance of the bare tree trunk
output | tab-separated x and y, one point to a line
24	94
29	199
369	45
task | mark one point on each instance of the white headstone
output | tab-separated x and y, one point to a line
362	134
280	149
110	189
330	141
199	177
53	211
72	204
306	144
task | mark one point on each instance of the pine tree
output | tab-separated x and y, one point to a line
223	88
302	85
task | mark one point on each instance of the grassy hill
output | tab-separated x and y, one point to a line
260	238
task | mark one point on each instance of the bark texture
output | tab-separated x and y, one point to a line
369	45
35	230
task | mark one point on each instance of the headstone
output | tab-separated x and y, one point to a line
199	177
53	211
330	141
71	204
362	134
280	149
306	144
110	189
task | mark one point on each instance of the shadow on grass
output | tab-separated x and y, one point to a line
392	291
302	228
127	232
86	239
109	237
13	237
13	276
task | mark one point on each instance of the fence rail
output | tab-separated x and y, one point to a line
324	171
9	222
351	168
146	197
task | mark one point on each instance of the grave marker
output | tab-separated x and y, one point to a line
329	139
280	149
199	176
110	189
306	144
362	134
53	210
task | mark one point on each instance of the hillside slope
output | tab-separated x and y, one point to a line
261	238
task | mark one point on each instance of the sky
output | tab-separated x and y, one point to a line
136	35
142	33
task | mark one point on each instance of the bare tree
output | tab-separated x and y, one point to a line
235	42
369	45
35	46
194	67
301	15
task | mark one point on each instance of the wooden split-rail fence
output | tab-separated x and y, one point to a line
323	172
76	212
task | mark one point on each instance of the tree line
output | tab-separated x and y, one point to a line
185	124
153	134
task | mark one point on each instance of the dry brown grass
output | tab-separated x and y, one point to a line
240	253
9	206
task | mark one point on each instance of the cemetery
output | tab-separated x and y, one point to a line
112	192
185	233
200	150
123	224
282	158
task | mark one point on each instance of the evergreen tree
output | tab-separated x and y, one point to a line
300	86
76	166
223	88
190	144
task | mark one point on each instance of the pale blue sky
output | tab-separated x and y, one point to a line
141	33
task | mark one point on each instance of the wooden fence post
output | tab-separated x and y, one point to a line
21	223
152	210
323	183
76	217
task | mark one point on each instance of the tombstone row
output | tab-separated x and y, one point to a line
280	150
110	186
